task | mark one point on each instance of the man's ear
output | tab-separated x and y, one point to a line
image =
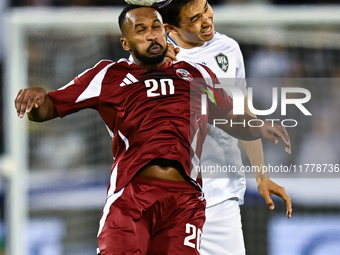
170	28
125	44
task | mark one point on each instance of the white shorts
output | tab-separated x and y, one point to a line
222	230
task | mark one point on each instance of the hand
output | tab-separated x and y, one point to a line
266	188
171	53
27	99
271	131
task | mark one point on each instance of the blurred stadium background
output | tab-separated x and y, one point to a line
55	174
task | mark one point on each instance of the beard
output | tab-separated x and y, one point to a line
151	60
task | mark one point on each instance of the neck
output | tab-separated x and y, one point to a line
184	44
148	66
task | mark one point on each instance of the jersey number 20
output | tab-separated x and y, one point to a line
153	86
192	240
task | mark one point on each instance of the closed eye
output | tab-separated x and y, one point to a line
140	30
195	19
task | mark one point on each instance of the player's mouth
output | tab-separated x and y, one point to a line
208	31
155	48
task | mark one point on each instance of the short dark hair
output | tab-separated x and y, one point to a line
171	12
122	15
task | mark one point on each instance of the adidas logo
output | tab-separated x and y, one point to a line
129	79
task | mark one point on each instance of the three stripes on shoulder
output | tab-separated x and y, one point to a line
129	79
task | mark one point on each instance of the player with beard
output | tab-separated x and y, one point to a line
152	206
191	30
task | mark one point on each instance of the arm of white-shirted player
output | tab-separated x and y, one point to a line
262	129
253	149
259	129
266	187
254	152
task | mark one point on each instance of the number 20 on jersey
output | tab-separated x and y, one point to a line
166	85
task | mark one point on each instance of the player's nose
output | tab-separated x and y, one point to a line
207	21
151	35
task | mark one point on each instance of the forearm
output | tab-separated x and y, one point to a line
237	126
254	152
254	149
43	112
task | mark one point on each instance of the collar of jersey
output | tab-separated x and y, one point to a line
171	40
165	65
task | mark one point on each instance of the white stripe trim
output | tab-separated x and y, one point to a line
131	77
106	211
126	141
127	81
111	197
67	85
80	75
109	130
194	141
194	160
124	60
95	86
113	180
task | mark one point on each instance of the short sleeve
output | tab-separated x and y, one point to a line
240	71
220	106
82	92
220	103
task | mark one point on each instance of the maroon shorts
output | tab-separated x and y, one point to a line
153	217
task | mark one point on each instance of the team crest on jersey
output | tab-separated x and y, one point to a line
184	74
222	61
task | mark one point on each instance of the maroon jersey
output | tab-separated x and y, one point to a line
148	111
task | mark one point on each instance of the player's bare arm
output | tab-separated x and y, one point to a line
268	130
36	104
266	187
253	149
271	132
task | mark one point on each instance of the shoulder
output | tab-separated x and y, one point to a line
185	64
105	66
199	70
104	63
225	40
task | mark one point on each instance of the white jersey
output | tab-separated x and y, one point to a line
223	56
